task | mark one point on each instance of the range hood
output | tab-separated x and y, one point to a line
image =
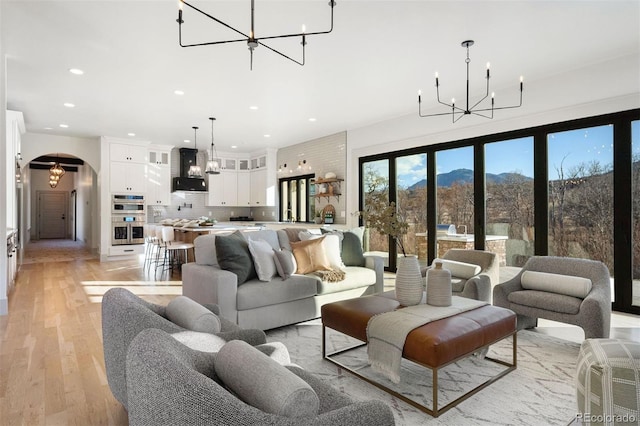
184	182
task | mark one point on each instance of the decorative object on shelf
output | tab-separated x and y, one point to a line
252	41
194	169
328	187
438	286
460	112
329	213
55	173
409	282
213	165
330	175
318	218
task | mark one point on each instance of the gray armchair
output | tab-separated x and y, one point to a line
124	315
171	384
477	287
592	313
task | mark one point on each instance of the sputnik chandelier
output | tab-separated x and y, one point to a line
457	112
252	41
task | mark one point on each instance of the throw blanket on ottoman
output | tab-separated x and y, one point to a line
387	332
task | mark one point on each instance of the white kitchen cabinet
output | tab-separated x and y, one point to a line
244	164
259	162
128	153
259	188
223	189
244	189
160	158
127	177
158	185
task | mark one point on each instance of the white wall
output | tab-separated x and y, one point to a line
4	305
596	89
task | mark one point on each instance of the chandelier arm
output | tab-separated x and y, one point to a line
504	107
483	115
283	55
479	102
215	19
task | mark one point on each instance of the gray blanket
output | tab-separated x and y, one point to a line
387	332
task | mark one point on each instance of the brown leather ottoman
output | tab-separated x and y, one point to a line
433	345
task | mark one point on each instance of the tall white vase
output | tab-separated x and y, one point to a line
438	286
409	281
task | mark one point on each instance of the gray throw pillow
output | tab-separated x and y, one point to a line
285	263
189	314
263	383
233	255
352	254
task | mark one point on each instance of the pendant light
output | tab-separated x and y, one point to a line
195	171
213	165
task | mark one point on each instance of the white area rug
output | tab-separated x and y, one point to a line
539	392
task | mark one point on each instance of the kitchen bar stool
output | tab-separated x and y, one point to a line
172	249
150	242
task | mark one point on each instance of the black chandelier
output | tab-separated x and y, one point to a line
252	41
457	112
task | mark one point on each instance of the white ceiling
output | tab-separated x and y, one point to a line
366	71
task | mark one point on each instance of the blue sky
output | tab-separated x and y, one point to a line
567	148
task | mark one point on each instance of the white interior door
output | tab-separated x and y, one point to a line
52	214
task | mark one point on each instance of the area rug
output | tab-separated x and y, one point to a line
539	392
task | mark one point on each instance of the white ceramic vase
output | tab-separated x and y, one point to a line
409	281
438	286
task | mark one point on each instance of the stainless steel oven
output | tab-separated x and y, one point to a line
127	229
127	204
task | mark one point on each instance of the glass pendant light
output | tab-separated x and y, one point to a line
195	171
213	165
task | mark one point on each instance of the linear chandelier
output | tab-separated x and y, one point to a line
252	41
456	112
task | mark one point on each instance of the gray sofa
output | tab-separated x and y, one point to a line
171	384
266	305
124	315
591	312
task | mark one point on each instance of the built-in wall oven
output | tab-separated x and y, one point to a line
127	219
127	204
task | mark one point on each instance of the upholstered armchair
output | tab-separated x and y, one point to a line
170	384
473	272
124	315
568	290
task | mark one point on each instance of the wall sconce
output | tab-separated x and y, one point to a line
301	163
280	168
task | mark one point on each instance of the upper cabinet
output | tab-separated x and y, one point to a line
259	162
159	175
128	153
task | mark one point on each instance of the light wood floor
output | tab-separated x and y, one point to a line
51	361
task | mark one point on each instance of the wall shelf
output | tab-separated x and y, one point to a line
327	188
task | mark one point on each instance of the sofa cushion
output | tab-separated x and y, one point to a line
205	249
285	263
457	284
191	315
355	277
263	383
262	254
546	301
254	293
233	255
310	256
556	283
268	235
352	253
459	269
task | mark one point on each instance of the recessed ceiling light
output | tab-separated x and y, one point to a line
179	92
69	105
312	119
131	134
64	126
253	107
186	141
267	136
48	128
234	146
76	71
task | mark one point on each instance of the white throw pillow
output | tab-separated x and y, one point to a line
285	263
331	246
556	283
203	342
459	269
262	254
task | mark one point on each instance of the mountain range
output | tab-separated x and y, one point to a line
463	176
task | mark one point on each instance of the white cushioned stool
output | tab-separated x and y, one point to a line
608	382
